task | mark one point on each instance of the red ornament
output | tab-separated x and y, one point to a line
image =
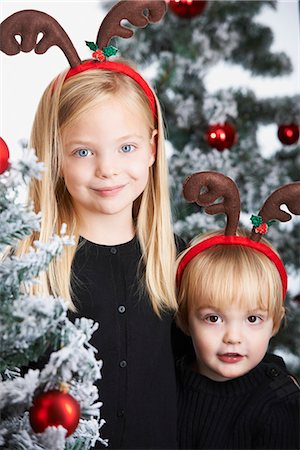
288	134
297	299
54	408
4	156
221	136
187	8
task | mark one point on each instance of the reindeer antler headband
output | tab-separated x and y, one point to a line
29	23
217	185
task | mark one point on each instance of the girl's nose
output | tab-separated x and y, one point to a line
106	166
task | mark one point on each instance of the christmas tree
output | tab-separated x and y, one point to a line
218	130
54	406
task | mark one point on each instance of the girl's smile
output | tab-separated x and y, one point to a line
109	191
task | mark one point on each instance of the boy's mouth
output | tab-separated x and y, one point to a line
230	357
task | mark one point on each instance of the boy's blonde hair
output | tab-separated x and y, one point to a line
230	274
62	103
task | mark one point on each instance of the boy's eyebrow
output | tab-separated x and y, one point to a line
208	307
258	310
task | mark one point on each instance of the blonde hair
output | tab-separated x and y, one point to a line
230	274
62	103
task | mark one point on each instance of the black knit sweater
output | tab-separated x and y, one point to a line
259	410
138	385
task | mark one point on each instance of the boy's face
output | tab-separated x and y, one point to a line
229	342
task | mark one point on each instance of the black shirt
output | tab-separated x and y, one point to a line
138	387
259	410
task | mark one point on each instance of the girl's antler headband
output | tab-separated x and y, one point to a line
204	188
29	23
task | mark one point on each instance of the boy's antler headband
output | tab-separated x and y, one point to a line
29	23
204	188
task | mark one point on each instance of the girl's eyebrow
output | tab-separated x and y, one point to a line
129	137
87	141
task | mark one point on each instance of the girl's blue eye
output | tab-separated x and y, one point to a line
83	152
127	148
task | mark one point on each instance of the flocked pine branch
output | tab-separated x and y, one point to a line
40	347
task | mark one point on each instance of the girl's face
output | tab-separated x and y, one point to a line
107	154
229	342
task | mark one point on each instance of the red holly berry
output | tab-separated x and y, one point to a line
262	228
99	55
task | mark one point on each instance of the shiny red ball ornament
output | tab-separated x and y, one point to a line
4	156
187	8
221	136
288	134
54	408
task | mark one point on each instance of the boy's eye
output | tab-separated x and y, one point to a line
253	319
212	318
83	152
127	148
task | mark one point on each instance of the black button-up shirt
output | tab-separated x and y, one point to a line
138	387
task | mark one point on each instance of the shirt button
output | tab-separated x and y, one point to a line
113	250
272	372
123	363
120	413
121	309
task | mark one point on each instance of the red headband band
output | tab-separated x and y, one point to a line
232	240
117	67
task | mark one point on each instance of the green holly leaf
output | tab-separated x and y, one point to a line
256	220
91	45
270	222
109	51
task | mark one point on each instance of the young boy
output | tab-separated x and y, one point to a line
230	296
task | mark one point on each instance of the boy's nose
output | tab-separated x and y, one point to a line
232	335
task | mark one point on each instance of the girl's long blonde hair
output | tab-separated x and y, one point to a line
230	274
61	104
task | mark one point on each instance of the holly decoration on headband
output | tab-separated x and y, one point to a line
101	54
258	224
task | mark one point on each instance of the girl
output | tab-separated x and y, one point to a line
107	180
99	131
230	294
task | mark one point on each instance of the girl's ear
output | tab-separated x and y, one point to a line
153	142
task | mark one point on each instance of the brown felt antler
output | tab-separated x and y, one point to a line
217	185
139	13
28	24
289	195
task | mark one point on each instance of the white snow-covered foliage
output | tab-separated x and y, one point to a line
40	347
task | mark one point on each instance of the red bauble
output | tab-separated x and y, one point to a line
288	134
54	408
187	8
4	156
221	136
